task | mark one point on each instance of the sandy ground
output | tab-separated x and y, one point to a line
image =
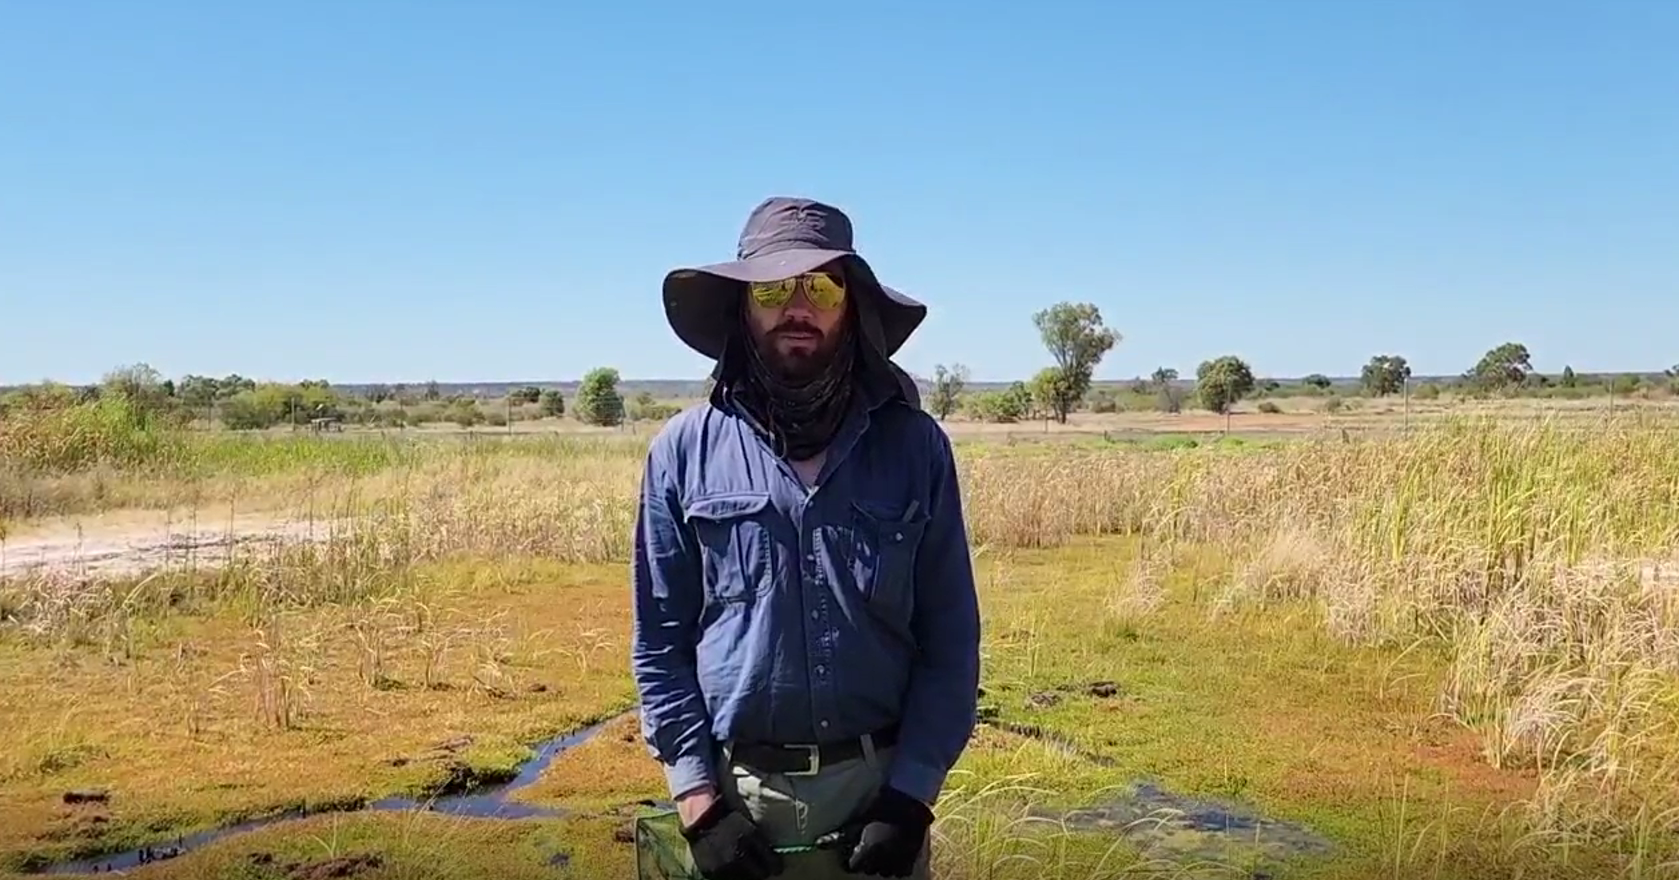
131	542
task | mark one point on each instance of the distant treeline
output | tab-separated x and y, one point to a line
241	403
1077	341
1073	333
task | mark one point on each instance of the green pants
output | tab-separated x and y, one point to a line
796	810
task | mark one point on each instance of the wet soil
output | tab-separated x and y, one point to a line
460	796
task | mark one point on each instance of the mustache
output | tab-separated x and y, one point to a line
796	327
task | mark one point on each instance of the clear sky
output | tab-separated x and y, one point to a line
478	191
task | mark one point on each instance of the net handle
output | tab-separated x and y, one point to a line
831	840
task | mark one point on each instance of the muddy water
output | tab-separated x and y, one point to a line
1176	827
1186	829
488	802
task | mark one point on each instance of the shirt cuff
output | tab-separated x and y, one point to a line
688	773
918	780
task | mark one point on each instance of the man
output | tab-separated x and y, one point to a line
806	639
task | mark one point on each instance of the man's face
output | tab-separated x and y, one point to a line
799	336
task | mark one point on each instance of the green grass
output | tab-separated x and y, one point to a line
1257	707
1435	651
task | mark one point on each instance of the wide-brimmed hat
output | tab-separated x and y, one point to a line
783	237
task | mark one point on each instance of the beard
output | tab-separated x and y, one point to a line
800	395
797	352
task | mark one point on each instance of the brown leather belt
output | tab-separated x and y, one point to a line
806	760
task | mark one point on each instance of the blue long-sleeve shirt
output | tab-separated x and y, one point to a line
768	612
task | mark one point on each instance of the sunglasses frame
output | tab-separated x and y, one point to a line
775	294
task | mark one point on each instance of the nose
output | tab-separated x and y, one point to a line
800	304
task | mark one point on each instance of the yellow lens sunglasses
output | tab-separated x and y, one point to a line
821	289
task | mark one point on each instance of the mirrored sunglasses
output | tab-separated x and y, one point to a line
821	289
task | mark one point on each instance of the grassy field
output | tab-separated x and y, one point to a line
1448	651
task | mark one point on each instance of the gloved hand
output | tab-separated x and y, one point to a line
726	845
888	836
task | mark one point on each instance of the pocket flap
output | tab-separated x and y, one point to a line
896	515
725	507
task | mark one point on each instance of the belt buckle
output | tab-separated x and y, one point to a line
815	764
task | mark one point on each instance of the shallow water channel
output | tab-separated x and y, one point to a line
486	802
1163	823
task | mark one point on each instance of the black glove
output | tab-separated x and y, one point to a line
726	845
887	838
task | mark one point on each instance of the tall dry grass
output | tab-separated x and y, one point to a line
1540	556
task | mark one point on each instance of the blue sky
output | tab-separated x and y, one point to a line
399	191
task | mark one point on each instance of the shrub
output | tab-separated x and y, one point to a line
598	400
44	436
552	403
1001	407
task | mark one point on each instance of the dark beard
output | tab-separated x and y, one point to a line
800	404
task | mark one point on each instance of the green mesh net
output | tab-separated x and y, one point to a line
661	853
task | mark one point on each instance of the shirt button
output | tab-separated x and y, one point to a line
824	724
821	670
897	536
815	615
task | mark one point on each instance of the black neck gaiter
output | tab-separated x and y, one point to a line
801	417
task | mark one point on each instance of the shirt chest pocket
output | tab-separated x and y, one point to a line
884	540
737	545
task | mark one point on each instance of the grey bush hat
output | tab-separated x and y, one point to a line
783	237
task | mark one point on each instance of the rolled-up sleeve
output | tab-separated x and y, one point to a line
942	703
666	577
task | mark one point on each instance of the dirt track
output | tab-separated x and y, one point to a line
131	543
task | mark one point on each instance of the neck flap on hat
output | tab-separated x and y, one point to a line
800	417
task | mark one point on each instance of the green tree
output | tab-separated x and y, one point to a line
948	383
250	410
552	403
1009	405
199	392
1222	381
233	384
598	400
1077	340
1385	374
1167	397
1317	381
1053	393
1569	380
1503	367
272	403
527	394
141	385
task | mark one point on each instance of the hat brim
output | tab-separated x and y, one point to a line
699	300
